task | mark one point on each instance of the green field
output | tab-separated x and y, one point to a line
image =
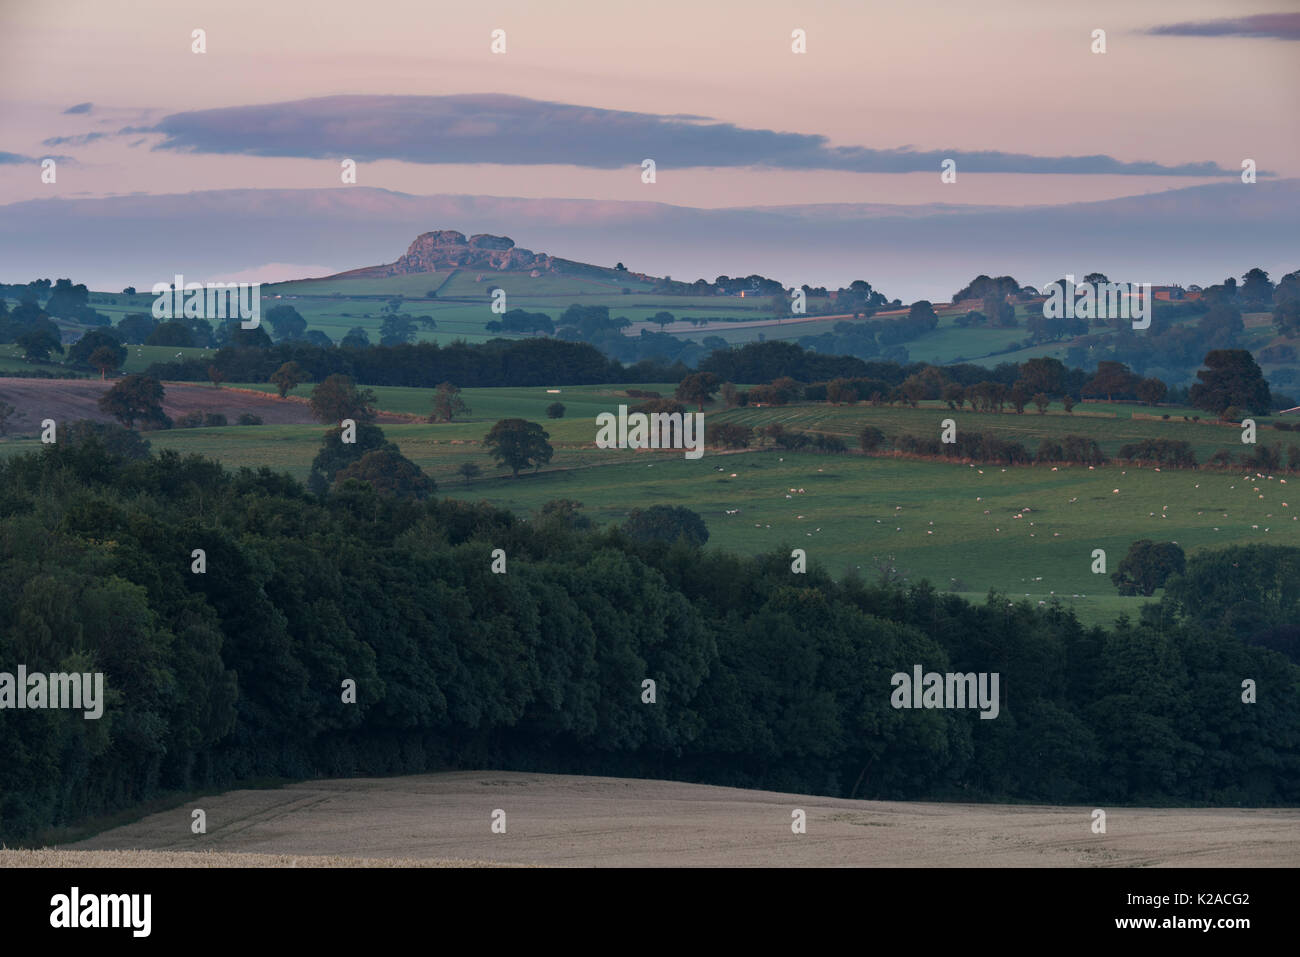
487	405
138	359
462	306
1110	426
461	310
854	512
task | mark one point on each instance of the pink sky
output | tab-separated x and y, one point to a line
1015	76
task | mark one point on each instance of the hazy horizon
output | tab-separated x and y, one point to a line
733	118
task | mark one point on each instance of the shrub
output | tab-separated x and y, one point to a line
248	418
871	438
1082	450
666	523
214	419
1147	566
790	441
671	406
1049	451
1221	458
1160	452
730	435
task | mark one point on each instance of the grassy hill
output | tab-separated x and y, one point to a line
954	524
458	301
1110	426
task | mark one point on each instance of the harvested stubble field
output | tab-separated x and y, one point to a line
56	857
565	820
66	400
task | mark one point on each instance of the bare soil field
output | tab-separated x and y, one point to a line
66	400
565	820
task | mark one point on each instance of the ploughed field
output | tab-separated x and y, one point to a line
67	400
566	820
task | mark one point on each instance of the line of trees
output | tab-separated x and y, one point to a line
764	678
974	446
1230	385
1230	380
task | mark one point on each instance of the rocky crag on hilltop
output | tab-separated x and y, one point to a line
449	249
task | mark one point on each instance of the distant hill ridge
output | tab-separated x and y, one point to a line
449	249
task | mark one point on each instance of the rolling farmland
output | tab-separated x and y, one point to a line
1027	531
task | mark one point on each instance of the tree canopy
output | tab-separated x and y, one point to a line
776	681
339	398
1231	377
518	444
135	397
1148	566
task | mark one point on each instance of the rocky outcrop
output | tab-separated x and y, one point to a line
449	249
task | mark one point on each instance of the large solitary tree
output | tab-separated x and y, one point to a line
389	472
698	387
519	444
338	398
1147	566
105	359
336	455
135	397
1151	391
1231	378
172	334
666	523
286	322
288	377
1044	375
1111	379
447	403
79	352
38	343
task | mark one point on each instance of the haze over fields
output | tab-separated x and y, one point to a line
815	167
1193	235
